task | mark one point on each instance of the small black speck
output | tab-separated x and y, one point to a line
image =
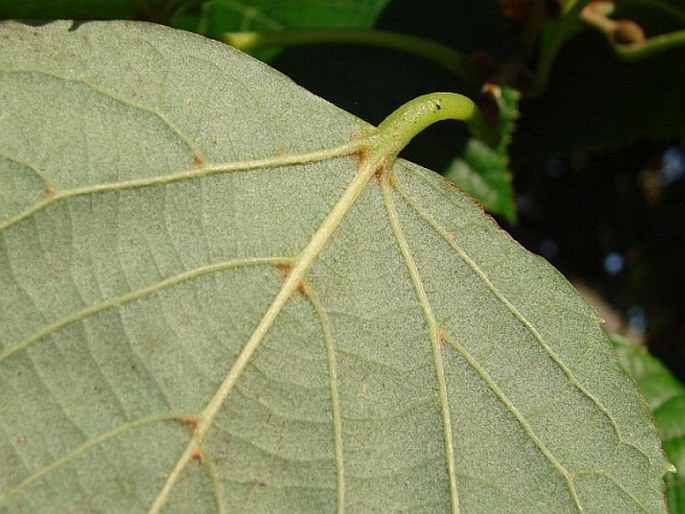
437	107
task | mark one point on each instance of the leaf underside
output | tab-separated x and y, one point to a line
198	314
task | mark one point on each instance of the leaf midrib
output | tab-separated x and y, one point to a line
372	161
300	267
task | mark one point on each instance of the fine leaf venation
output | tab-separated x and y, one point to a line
137	294
108	94
90	443
432	328
520	418
336	409
527	324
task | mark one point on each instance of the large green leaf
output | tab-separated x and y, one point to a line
219	16
219	295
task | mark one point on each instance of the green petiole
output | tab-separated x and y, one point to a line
411	118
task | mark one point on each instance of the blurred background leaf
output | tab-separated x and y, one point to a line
666	398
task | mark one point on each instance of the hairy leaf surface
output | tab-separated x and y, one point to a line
218	296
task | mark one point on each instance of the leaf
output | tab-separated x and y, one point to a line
381	80
219	295
226	15
371	81
219	16
666	398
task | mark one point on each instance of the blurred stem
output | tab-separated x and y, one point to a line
651	46
443	55
627	37
570	15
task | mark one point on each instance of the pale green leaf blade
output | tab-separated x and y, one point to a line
215	298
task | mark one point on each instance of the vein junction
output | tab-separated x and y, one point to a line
378	151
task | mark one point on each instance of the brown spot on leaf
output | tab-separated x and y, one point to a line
302	288
361	156
21	440
198	161
380	172
441	336
190	424
279	152
391	177
48	192
285	268
197	455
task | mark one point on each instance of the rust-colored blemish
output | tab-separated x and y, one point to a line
279	152
441	336
198	161
48	192
285	268
361	156
197	455
302	288
380	172
190	423
21	440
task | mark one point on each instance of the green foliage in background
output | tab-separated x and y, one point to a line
666	399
